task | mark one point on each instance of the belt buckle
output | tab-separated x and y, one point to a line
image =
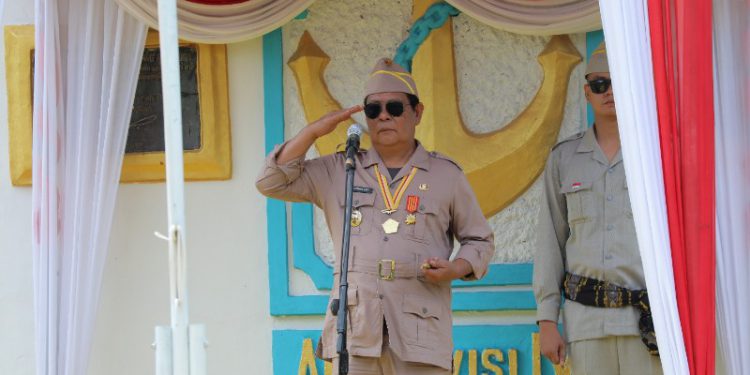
614	297
391	272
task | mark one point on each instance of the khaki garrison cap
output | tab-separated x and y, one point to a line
387	76
598	61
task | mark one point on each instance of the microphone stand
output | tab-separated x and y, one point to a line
351	152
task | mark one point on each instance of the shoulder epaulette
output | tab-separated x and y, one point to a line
569	139
438	155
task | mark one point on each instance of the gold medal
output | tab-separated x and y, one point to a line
356	218
390	226
410	219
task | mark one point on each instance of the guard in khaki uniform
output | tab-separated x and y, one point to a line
587	249
408	206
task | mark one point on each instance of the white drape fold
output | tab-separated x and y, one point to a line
86	70
221	23
731	26
626	31
533	17
232	23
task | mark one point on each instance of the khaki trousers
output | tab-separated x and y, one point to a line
387	364
623	355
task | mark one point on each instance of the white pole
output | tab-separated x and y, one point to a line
170	80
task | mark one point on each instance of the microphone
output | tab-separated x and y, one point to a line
353	135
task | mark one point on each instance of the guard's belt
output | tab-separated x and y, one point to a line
597	293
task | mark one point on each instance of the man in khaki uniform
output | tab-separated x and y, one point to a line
588	249
408	205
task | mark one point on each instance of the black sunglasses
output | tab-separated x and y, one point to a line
394	108
600	85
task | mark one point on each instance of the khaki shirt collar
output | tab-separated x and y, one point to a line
420	159
589	144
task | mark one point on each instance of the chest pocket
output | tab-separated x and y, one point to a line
579	199
364	204
426	213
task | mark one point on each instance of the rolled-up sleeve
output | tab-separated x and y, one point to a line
471	230
298	180
551	237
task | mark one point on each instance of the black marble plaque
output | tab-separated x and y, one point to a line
146	131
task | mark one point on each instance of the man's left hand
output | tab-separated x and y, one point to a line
438	270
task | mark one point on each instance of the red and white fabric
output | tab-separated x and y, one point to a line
670	96
626	31
681	46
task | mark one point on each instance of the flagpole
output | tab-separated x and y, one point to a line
180	348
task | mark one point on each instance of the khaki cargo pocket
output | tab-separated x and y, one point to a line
365	324
329	335
421	321
326	348
363	203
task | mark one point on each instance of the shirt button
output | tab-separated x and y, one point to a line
356	203
610	226
424	310
610	197
380	296
611	170
608	256
385	239
421	207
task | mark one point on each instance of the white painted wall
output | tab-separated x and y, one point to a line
227	252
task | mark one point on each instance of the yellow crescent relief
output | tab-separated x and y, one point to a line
500	165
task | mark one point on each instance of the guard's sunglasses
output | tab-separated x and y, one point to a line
600	85
394	108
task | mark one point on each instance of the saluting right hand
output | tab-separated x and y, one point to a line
331	120
551	342
297	146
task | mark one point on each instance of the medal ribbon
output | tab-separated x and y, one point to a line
393	200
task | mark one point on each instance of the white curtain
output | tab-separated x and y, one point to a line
87	58
221	23
731	22
534	17
626	31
